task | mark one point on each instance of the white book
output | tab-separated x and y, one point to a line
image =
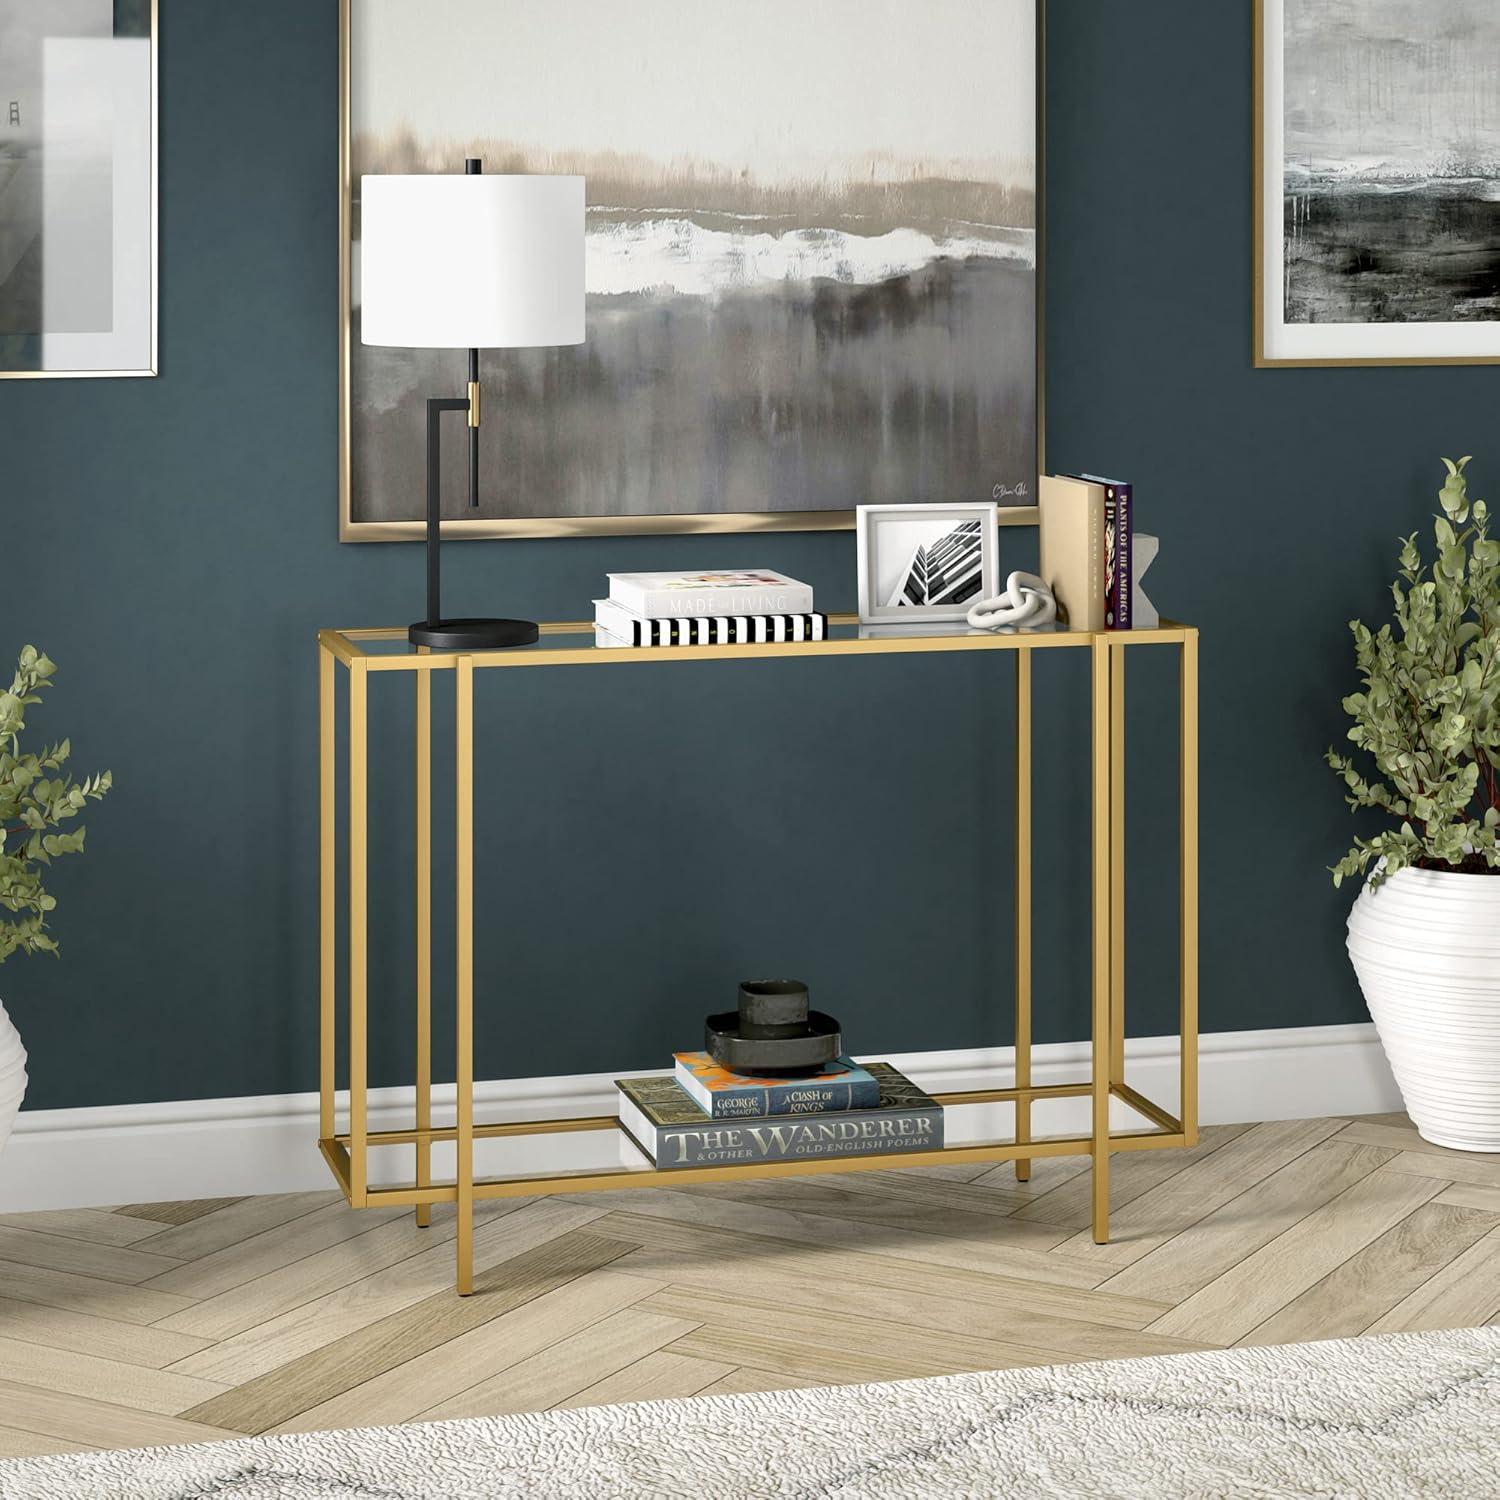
751	591
632	629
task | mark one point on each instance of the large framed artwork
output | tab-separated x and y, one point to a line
1377	182
77	188
812	247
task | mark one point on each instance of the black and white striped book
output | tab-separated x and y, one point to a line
631	629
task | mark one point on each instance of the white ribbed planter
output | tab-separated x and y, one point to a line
1426	947
12	1075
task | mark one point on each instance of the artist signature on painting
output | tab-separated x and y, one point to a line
1010	491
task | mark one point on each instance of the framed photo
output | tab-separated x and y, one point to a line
77	188
1377	182
925	563
812	247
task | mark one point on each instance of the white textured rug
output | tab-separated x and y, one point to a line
1410	1415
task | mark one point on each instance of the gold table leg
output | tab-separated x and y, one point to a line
1117	864
1023	907
1102	969
358	912
424	938
327	895
1188	919
464	964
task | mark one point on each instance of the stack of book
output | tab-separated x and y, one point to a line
706	609
1091	552
702	1115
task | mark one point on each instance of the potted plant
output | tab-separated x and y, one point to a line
36	797
1424	934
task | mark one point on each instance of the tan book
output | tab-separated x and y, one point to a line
1072	525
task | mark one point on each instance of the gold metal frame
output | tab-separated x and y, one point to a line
1262	360
155	232
347	1151
351	530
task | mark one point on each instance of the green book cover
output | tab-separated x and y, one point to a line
667	1124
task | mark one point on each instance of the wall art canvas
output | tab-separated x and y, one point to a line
811	259
1378	191
77	187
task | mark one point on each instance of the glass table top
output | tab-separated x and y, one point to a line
580	643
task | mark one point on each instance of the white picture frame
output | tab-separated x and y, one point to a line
1350	195
894	545
78	160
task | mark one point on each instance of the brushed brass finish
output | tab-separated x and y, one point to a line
586	654
1188	892
463	902
348	1154
424	934
336	1154
405	1195
1103	976
1023	909
1117	864
473	403
1142	1105
581	1123
359	844
327	893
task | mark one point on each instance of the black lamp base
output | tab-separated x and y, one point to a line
473	635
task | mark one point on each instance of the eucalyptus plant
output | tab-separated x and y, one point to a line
1429	712
36	796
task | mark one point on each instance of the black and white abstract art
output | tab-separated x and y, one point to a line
77	187
811	257
1380	180
925	563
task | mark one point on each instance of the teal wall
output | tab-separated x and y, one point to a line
649	836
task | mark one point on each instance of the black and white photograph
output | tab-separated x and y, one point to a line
925	563
811	258
1380	180
77	187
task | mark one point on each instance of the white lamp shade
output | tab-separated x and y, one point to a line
449	262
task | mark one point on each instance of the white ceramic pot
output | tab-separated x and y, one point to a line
12	1075
1426	947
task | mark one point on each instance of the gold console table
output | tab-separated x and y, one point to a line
375	653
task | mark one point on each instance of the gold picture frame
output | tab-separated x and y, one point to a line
1260	197
352	530
152	365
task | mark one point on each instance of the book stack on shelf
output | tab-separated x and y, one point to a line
1092	556
703	1115
706	609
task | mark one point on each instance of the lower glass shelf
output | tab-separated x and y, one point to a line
533	1158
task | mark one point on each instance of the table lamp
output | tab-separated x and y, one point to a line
471	262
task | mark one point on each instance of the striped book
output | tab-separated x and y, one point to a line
630	629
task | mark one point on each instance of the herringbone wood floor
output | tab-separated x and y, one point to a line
180	1322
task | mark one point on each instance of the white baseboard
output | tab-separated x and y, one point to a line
210	1148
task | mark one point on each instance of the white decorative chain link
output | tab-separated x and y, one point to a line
1027	601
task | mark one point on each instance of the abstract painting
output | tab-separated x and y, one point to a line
811	259
1379	181
77	187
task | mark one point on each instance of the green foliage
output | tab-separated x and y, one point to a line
1429	715
36	796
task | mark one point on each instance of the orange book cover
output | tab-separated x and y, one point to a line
842	1084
